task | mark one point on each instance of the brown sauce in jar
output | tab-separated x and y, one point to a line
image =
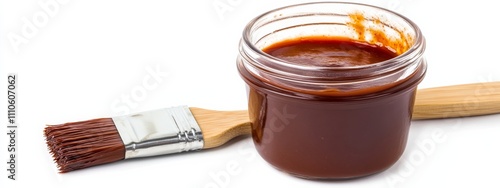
322	136
328	52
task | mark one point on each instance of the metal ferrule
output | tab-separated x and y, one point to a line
159	132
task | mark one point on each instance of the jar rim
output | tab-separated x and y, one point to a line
325	19
416	48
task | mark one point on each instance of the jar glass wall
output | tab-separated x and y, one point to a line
331	122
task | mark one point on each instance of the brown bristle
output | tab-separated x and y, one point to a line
78	145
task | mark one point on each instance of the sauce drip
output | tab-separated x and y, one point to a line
374	30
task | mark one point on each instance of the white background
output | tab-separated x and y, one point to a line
86	55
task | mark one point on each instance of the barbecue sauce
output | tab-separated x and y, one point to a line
318	135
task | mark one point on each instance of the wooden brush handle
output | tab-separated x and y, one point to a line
218	127
457	101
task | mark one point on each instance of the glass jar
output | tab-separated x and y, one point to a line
323	122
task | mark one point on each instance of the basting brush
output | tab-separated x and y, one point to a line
83	144
78	145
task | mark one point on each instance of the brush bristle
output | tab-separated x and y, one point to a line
83	144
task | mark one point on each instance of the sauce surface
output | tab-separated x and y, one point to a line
328	52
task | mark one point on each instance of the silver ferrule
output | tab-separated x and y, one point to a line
159	132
